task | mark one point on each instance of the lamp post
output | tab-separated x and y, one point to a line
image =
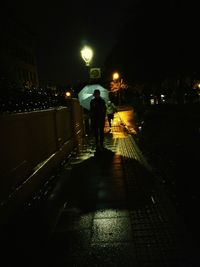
87	55
116	79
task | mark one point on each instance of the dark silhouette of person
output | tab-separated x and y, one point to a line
98	114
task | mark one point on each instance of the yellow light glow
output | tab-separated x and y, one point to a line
87	54
68	94
115	76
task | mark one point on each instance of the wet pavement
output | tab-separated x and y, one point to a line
105	209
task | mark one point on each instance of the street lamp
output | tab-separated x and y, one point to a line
68	94
115	76
87	55
117	82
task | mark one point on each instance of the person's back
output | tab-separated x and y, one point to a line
98	113
97	108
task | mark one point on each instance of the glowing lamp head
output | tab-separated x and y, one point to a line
115	76
87	54
67	94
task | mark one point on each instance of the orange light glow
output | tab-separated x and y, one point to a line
67	94
115	76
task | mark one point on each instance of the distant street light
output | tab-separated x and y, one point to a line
87	55
117	85
68	94
115	76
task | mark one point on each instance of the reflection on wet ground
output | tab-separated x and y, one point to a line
105	210
113	215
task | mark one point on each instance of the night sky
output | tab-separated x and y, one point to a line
63	27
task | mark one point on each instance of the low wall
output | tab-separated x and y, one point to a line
76	120
32	144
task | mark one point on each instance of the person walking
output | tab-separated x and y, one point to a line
98	115
111	109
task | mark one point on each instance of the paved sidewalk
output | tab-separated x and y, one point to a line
113	214
104	209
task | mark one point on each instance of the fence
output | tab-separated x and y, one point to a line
32	144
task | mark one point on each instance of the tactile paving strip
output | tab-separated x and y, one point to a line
156	239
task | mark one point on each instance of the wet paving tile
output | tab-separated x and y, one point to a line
111	213
112	254
111	194
73	221
112	230
111	205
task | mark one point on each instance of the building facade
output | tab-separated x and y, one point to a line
18	62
